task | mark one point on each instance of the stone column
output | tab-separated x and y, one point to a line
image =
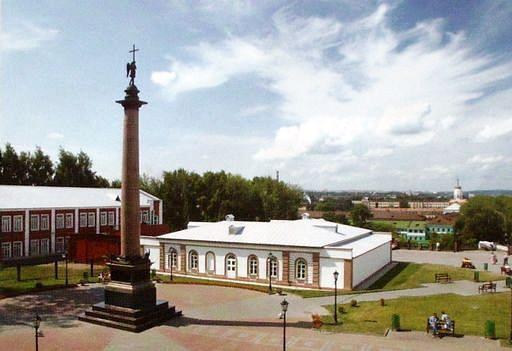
130	197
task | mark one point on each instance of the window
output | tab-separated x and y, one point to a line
34	222
83	219
231	263
193	260
45	222
300	269
69	220
45	246
103	218
59	245
92	218
34	247
59	221
18	223
145	217
172	258
6	224
273	268
111	218
253	265
17	249
210	262
6	250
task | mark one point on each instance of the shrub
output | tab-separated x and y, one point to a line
382	302
86	276
153	274
341	309
39	285
353	303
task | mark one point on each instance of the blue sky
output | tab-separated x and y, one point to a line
402	95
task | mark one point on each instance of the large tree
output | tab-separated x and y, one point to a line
360	215
41	168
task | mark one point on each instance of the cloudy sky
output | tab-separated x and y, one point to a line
380	95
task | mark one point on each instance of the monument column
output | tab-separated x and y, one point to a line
130	297
130	198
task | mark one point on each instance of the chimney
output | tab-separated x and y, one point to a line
230	218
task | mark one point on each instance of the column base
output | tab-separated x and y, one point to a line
130	298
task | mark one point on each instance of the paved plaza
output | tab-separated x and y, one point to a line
215	318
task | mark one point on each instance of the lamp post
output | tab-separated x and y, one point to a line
336	275
270	258
37	323
65	256
284	308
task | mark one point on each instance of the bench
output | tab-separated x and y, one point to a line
487	287
442	278
442	331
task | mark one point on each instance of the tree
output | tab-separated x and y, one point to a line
485	218
334	217
10	167
77	171
360	215
41	168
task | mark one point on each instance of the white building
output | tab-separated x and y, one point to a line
306	252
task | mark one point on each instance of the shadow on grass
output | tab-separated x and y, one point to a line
57	308
187	321
389	276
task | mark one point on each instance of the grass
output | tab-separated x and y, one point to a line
402	276
44	274
412	275
469	312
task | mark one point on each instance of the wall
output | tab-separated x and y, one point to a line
367	264
327	267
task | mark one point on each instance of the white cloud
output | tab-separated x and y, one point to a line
485	160
356	86
254	110
23	36
55	135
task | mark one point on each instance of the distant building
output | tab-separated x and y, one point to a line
443	224
457	201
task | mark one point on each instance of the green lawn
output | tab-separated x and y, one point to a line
31	275
412	275
469	312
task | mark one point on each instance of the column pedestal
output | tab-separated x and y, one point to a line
130	298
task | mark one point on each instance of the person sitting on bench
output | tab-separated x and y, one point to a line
432	322
447	322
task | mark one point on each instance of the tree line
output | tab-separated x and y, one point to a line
189	196
37	168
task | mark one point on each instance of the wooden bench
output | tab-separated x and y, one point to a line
487	287
442	331
442	278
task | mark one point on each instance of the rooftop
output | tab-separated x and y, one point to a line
26	196
315	233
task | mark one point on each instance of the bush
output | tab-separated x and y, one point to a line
153	274
353	303
490	329
382	303
341	309
39	285
86	276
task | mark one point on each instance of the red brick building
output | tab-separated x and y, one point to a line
38	220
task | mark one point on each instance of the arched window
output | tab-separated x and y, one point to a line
231	266
253	265
172	258
193	260
210	262
301	268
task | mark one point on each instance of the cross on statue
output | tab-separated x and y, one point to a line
131	68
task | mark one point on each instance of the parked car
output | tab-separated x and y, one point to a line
486	245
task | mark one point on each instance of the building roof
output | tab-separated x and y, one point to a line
453	208
386	215
315	233
22	197
446	219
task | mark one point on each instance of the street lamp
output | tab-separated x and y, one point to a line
270	258
65	256
37	323
284	308
336	275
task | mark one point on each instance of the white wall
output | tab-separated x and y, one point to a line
327	267
154	256
241	259
367	264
